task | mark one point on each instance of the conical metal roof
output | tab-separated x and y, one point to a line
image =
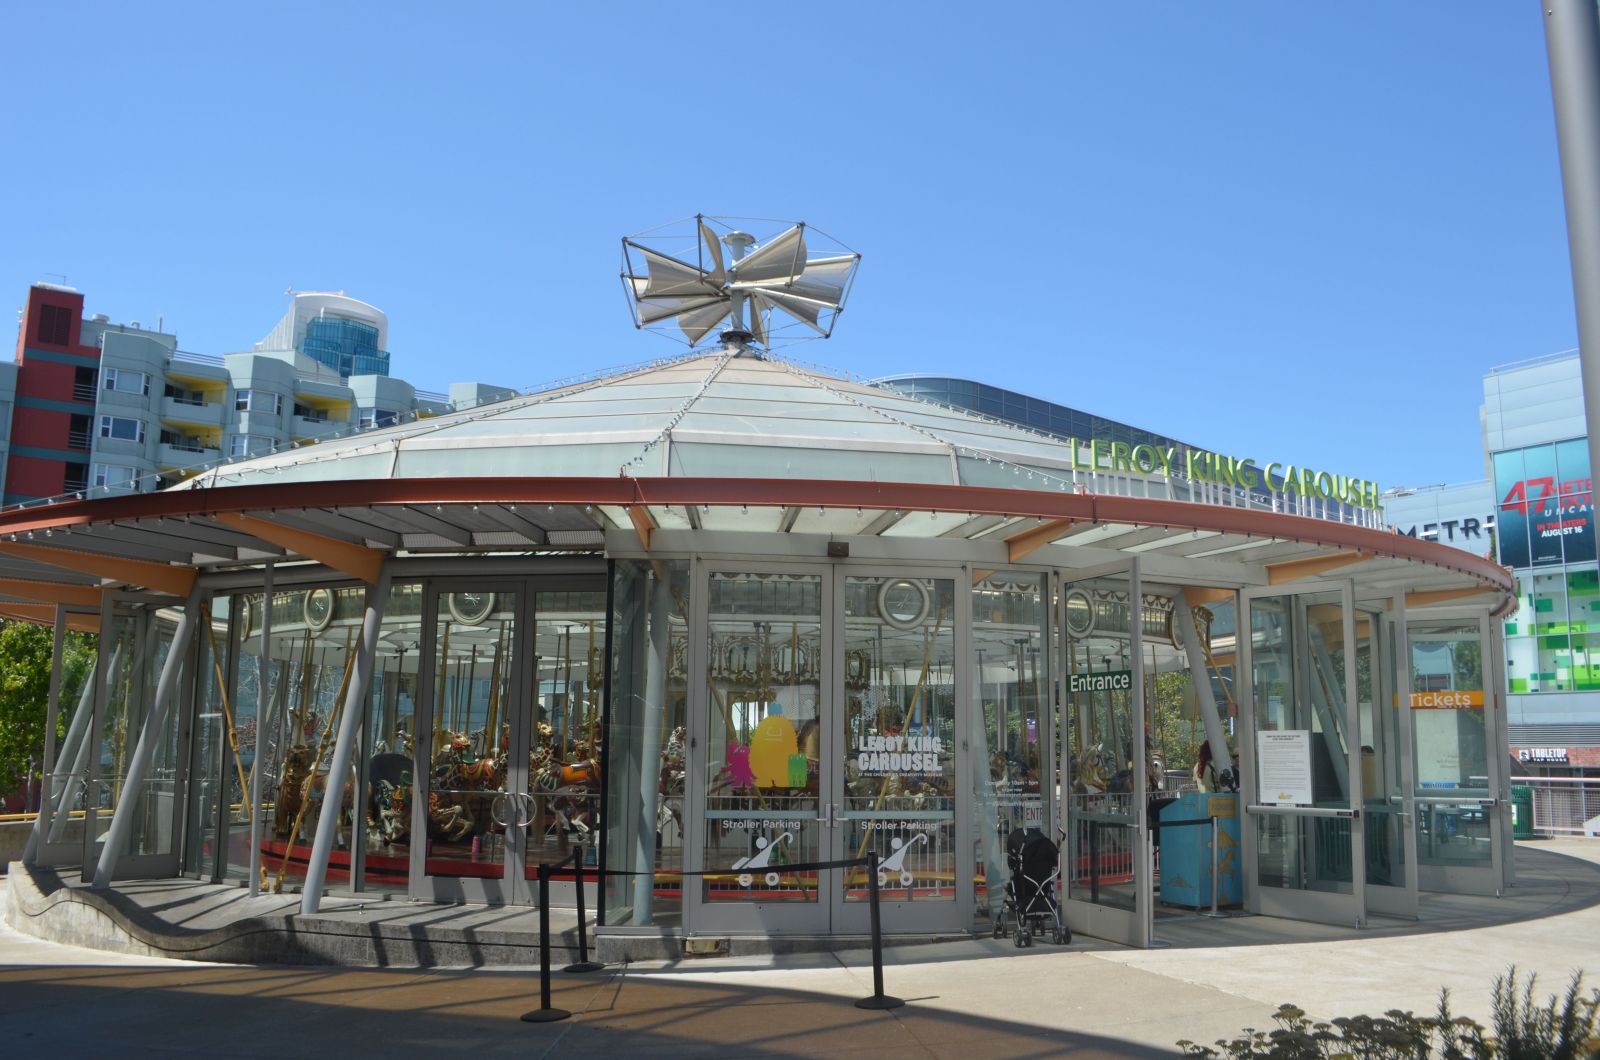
714	416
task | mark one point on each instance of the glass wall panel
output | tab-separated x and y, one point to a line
1098	729
245	612
764	683
564	772
1009	685
1381	766
1298	663
143	636
315	633
900	735
387	745
219	768
1451	742
61	791
645	740
472	727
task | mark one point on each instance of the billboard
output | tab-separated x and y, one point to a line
1545	514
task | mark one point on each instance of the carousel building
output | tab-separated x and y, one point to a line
720	615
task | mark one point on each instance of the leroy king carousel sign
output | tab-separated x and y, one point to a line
1202	465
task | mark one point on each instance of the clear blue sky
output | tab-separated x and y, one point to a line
1290	231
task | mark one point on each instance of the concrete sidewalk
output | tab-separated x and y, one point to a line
977	997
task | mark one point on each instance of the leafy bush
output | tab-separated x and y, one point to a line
1562	1028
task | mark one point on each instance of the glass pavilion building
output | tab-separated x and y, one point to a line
807	619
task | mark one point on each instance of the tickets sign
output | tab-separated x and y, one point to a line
1447	701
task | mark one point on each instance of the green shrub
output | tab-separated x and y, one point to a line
1562	1028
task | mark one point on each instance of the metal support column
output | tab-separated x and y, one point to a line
1572	40
657	663
344	746
263	705
149	736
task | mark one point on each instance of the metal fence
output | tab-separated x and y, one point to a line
1564	805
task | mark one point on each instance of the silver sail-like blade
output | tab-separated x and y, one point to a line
804	310
781	259
758	327
717	274
669	277
697	323
824	280
652	310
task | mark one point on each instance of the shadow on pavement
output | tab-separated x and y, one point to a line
277	1011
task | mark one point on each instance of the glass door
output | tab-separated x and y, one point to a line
1105	771
1458	757
1301	756
1386	763
765	797
898	750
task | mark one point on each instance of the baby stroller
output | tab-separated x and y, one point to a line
1030	902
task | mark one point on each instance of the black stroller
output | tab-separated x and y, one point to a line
1031	903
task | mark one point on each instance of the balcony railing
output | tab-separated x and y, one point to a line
84	392
78	440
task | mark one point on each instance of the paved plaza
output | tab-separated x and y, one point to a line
971	998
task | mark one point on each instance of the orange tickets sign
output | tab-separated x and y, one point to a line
1446	700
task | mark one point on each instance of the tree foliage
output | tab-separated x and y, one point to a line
25	658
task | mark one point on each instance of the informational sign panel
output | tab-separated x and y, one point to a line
1104	681
1283	767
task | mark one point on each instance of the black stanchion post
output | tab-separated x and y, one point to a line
878	999
545	1013
583	963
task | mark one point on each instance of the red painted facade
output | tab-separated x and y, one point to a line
52	324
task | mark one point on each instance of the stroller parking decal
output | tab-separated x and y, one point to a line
896	860
761	859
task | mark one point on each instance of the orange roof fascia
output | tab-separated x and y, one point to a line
161	577
1429	597
358	561
1021	545
1293	570
51	592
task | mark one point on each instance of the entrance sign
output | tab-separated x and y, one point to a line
1104	681
1283	761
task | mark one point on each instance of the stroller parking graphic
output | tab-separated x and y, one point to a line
761	859
896	860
